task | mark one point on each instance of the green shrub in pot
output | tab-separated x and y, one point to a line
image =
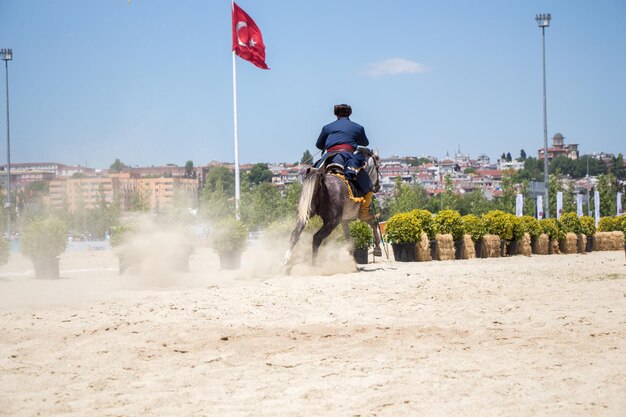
552	228
427	222
570	223
531	226
229	235
588	225
450	222
474	226
361	234
43	240
403	228
499	223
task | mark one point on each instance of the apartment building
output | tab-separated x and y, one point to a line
155	193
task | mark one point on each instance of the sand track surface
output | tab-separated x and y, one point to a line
538	336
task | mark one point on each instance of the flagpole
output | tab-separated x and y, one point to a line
236	131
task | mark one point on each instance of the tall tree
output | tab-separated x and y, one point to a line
406	198
307	158
220	178
190	172
608	194
449	198
259	173
522	155
117	165
506	200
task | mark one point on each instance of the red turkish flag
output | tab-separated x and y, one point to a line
247	40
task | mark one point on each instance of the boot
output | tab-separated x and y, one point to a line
364	211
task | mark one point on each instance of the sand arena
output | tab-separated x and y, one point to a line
523	336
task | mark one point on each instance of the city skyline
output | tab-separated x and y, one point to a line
151	82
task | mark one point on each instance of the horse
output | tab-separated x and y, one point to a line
325	194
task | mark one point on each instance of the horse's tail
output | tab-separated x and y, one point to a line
306	197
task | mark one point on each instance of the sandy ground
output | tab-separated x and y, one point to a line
540	336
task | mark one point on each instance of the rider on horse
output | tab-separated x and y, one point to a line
340	140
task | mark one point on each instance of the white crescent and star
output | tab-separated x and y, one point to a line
251	43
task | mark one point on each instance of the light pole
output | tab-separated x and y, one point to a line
543	20
7	55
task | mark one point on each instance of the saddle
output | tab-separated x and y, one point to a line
333	168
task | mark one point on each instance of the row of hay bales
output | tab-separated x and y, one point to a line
421	236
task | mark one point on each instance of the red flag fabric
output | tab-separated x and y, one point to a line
247	40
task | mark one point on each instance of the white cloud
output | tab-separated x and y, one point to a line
395	66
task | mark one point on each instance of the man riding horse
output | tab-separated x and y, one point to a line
340	140
341	186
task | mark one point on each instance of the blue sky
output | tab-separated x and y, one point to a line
151	82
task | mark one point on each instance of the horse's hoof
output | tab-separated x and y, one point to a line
286	258
378	252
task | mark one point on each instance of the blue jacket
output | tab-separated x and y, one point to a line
344	131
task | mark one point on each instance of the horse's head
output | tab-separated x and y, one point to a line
372	169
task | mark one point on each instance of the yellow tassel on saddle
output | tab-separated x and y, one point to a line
359	200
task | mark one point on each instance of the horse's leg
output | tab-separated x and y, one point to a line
374	225
319	236
295	236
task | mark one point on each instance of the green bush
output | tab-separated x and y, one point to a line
4	251
403	228
230	235
570	223
426	221
121	232
450	222
279	230
531	226
362	235
607	224
621	225
44	238
552	228
519	228
499	223
588	225
474	226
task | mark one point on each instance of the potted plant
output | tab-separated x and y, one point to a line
570	223
120	234
475	227
499	223
428	225
519	229
451	222
552	228
362	239
229	239
43	241
588	227
403	232
531	226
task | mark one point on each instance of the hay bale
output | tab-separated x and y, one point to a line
469	249
606	241
569	244
491	246
582	244
445	247
541	245
553	247
523	248
423	249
